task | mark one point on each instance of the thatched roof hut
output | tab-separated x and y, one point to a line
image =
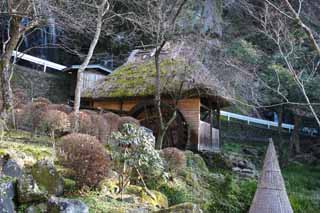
180	73
185	84
271	195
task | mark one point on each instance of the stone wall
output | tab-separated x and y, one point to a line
55	85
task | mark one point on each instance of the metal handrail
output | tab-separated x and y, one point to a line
255	120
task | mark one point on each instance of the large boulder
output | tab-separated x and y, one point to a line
12	169
182	208
28	191
63	205
7	194
47	176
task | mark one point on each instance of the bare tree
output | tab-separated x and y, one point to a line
102	10
13	11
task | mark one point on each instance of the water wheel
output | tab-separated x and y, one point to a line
177	133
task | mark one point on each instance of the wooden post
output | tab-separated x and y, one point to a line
219	123
211	123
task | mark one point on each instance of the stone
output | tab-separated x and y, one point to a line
28	191
127	199
151	197
47	176
250	151
12	169
182	208
236	169
38	208
63	205
7	194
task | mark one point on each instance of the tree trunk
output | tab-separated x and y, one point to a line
5	65
282	146
158	96
83	66
295	143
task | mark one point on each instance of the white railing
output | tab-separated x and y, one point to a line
255	120
93	66
39	61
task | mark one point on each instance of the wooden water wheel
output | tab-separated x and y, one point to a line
176	135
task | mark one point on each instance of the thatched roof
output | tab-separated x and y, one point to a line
271	195
180	73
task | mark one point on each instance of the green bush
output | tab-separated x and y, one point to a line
175	195
231	196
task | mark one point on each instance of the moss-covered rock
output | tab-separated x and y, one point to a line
182	208
63	205
47	176
151	197
28	191
196	162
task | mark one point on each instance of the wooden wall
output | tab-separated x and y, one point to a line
190	108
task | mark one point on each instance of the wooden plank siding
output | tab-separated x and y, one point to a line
206	143
125	106
190	109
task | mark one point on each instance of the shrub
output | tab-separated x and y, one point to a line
127	119
42	100
135	154
103	128
86	124
55	121
174	159
86	156
20	98
30	116
60	107
113	121
175	194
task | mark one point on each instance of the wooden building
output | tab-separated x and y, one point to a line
186	88
91	76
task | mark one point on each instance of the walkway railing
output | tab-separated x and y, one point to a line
250	120
39	61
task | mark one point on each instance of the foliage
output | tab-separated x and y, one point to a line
231	196
133	151
175	194
54	121
32	114
174	158
128	119
244	51
86	156
86	124
303	192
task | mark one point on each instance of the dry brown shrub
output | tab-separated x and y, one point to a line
86	124
29	116
86	156
127	119
20	98
113	120
60	107
175	159
55	121
41	100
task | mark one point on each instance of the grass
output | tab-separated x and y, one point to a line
303	187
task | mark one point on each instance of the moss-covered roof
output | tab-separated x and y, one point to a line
137	79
